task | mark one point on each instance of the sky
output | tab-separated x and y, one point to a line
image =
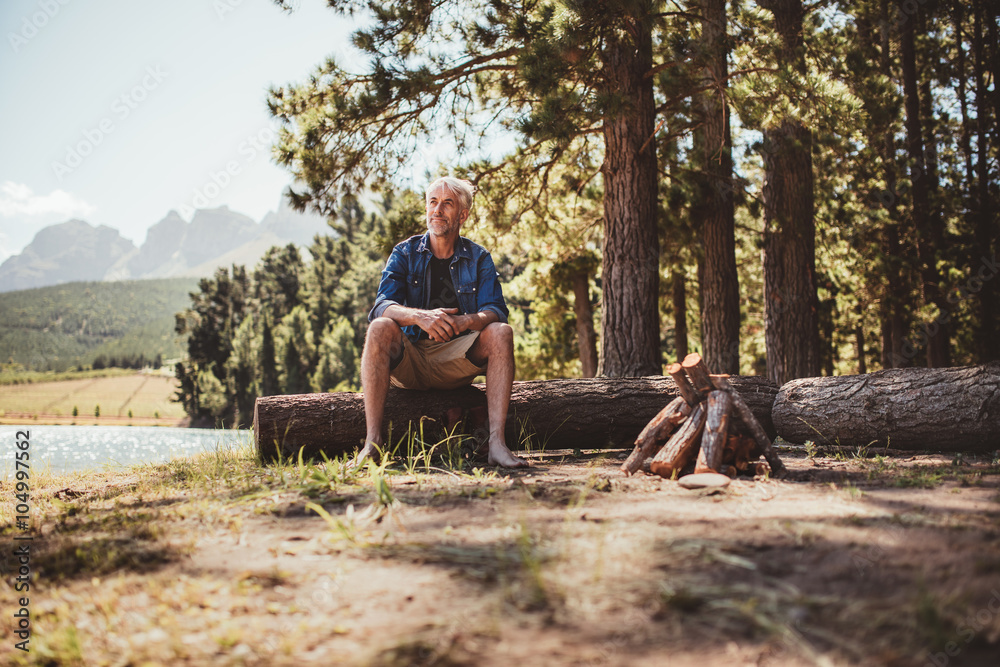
118	111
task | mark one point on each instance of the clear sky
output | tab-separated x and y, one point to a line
117	111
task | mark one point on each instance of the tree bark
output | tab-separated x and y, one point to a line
679	299
596	413
713	441
920	182
894	298
791	326
630	322
720	286
745	415
949	409
586	338
656	432
988	346
680	448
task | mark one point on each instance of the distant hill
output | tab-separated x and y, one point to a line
77	251
72	250
62	326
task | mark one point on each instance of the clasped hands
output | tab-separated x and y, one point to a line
442	324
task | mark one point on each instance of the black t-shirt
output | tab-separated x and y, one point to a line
442	292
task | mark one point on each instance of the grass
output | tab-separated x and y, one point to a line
426	557
8	377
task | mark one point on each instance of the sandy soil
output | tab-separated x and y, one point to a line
870	561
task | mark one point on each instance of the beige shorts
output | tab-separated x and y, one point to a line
429	364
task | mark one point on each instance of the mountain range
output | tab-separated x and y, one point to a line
75	250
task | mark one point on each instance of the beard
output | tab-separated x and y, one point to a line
440	226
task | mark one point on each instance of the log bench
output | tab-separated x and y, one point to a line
592	413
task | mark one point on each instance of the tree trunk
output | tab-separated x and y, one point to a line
679	298
935	331
630	322
894	295
859	347
586	338
949	409
988	346
791	328
596	413
720	287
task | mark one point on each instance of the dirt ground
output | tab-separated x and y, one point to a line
855	558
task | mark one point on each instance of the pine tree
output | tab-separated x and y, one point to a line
720	287
556	75
268	358
791	308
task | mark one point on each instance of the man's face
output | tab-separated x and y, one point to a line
444	213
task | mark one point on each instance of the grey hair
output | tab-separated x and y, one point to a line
459	187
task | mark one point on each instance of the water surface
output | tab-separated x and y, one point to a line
61	449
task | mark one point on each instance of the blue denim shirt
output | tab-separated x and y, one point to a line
406	280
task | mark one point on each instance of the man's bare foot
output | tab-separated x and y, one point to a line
369	451
500	455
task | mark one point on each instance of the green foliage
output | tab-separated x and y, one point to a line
66	326
337	367
521	91
296	351
289	326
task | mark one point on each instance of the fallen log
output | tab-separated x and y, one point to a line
591	413
951	409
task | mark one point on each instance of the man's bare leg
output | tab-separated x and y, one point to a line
495	348
383	342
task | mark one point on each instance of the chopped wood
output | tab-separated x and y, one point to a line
744	414
684	386
740	450
713	441
698	372
657	431
680	449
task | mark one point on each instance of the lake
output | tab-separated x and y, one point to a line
61	449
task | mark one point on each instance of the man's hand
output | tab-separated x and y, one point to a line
442	324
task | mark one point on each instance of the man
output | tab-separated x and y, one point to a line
440	320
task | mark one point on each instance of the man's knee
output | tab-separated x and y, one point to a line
499	332
383	333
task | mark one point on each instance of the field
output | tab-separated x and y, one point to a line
854	559
146	395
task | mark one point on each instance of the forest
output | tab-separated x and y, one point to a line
125	324
789	189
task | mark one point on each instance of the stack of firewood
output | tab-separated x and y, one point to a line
708	425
